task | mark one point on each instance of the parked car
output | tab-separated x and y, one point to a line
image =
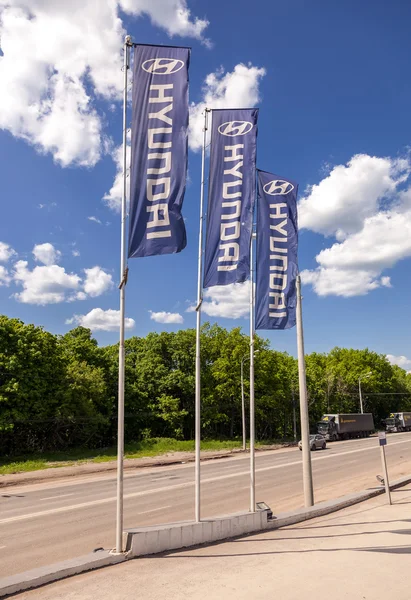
317	442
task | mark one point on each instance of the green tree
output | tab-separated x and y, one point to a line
61	391
31	382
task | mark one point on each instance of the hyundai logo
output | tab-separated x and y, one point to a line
162	66
278	187
233	128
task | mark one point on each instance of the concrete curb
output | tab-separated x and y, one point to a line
144	541
42	575
95	560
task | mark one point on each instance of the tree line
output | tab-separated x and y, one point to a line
60	391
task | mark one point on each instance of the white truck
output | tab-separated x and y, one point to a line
397	422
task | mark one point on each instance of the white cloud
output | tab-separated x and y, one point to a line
44	285
46	254
353	267
401	361
386	281
228	301
172	15
48	206
101	320
166	317
78	296
370	218
95	220
71	55
4	276
75	253
43	97
113	197
239	89
342	282
97	281
51	284
341	202
6	252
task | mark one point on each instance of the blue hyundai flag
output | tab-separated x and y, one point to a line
158	150
277	246
231	196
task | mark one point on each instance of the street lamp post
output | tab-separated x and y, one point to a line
359	388
294	415
246	357
243	403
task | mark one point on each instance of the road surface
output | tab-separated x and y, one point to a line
351	554
49	522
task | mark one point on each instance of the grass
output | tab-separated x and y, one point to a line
145	448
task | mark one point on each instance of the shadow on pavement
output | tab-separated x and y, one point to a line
386	549
321	537
348	524
391	550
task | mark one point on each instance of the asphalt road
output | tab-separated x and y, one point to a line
352	553
53	521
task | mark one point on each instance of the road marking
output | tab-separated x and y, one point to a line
180	486
145	512
110	476
58	497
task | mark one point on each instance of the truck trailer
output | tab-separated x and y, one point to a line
397	422
344	427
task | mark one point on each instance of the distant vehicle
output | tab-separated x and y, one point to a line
345	426
397	422
317	442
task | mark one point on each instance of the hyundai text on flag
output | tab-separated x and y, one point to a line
231	196
277	244
158	150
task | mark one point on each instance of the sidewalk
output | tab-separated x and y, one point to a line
360	553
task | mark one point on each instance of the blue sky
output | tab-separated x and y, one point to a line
333	86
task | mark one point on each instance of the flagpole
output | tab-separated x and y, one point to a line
252	406
305	424
123	278
198	331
